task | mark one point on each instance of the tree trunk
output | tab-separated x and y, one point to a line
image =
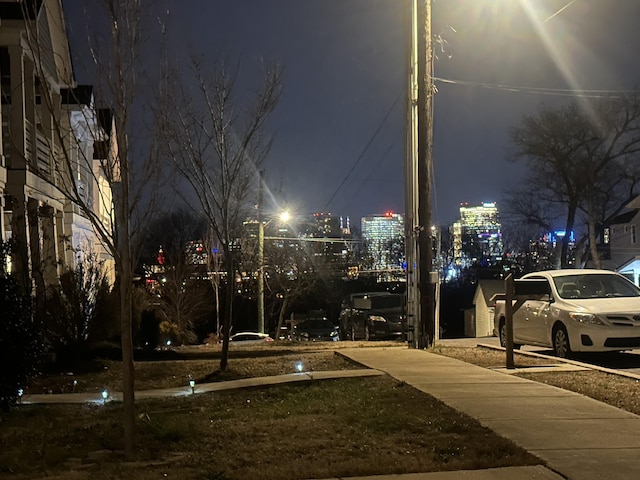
216	288
595	256
228	308
283	309
571	219
128	374
124	266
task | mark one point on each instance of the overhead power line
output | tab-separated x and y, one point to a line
567	92
560	11
364	150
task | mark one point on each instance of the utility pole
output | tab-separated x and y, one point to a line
426	321
411	181
260	257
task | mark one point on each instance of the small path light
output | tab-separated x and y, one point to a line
20	393
299	367
105	396
192	384
75	384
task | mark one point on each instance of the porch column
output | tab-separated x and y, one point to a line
35	248
20	244
62	239
49	246
17	117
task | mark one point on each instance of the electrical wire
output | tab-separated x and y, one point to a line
364	181
361	156
567	92
560	11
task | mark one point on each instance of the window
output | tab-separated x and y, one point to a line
633	234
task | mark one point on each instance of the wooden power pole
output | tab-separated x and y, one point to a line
426	321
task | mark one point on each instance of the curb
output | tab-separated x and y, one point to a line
588	366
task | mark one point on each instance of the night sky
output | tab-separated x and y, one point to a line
339	142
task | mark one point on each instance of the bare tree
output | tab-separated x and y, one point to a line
578	157
217	142
117	163
214	270
291	275
183	294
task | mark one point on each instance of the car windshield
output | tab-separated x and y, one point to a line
315	324
594	285
391	301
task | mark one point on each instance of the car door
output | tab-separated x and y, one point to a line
359	319
537	321
530	321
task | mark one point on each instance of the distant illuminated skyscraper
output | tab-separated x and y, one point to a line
384	240
478	235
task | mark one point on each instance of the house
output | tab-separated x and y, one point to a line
621	241
479	322
44	148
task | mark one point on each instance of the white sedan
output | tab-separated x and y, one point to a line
250	338
587	311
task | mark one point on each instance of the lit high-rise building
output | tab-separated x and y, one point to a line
479	235
384	240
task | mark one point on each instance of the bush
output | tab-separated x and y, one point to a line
21	344
79	310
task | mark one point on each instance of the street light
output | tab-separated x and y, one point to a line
284	217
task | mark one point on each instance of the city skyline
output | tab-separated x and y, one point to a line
339	142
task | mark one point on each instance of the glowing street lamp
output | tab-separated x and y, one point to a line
285	216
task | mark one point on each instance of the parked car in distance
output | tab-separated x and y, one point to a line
586	311
373	315
315	330
249	338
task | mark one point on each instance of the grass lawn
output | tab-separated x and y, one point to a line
323	429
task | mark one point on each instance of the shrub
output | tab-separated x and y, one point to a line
78	306
21	343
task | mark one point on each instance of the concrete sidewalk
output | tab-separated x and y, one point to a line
577	437
96	397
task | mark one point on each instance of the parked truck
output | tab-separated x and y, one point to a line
373	315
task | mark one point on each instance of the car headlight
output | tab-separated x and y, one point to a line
376	318
588	318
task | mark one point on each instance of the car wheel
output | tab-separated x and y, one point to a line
344	333
503	336
367	332
561	345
